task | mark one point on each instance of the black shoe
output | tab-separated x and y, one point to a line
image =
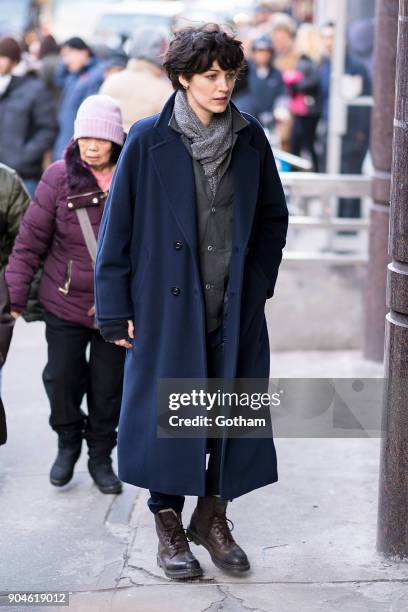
104	476
69	450
174	554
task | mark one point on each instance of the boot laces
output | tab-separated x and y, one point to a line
220	524
177	535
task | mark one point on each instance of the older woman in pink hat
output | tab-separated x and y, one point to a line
60	229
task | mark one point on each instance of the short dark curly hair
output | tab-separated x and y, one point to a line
193	50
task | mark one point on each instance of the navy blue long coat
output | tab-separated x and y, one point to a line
150	206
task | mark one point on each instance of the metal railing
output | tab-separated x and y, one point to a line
304	187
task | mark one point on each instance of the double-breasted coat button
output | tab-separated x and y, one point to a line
176	290
70	205
178	245
95	200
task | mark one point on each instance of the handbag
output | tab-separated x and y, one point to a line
298	105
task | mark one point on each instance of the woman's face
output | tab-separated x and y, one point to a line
96	152
210	91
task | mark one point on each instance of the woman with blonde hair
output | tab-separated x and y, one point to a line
309	42
303	85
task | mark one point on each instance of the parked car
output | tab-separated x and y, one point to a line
120	19
220	11
75	17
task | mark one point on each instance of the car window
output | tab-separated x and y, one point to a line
126	24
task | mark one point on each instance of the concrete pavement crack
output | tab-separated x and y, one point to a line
230	595
213	603
109	510
132	536
145	571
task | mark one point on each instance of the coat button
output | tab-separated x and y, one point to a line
178	245
95	200
70	205
176	290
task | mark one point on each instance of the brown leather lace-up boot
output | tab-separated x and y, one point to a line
174	554
209	527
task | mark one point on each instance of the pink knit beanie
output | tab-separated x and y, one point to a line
99	117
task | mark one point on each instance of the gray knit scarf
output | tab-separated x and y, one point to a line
210	145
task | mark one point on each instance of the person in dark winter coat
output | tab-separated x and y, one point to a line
60	227
189	250
360	43
27	118
265	83
79	75
355	141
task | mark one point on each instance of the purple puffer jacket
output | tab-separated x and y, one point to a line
50	230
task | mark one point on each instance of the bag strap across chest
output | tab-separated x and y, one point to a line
87	232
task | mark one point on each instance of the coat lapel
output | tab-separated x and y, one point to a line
246	171
175	169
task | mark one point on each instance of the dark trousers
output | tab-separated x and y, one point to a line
304	138
215	343
69	375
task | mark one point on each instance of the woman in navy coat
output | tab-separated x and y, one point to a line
188	253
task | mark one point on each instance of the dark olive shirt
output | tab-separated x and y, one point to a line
214	221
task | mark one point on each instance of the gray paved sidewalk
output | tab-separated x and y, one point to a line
310	537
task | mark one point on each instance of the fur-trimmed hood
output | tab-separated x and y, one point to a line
79	177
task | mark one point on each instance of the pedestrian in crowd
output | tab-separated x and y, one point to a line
355	142
142	88
360	43
60	225
116	62
304	88
48	58
265	82
191	242
27	116
79	75
283	31
242	97
14	201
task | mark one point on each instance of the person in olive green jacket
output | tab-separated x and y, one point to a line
14	201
